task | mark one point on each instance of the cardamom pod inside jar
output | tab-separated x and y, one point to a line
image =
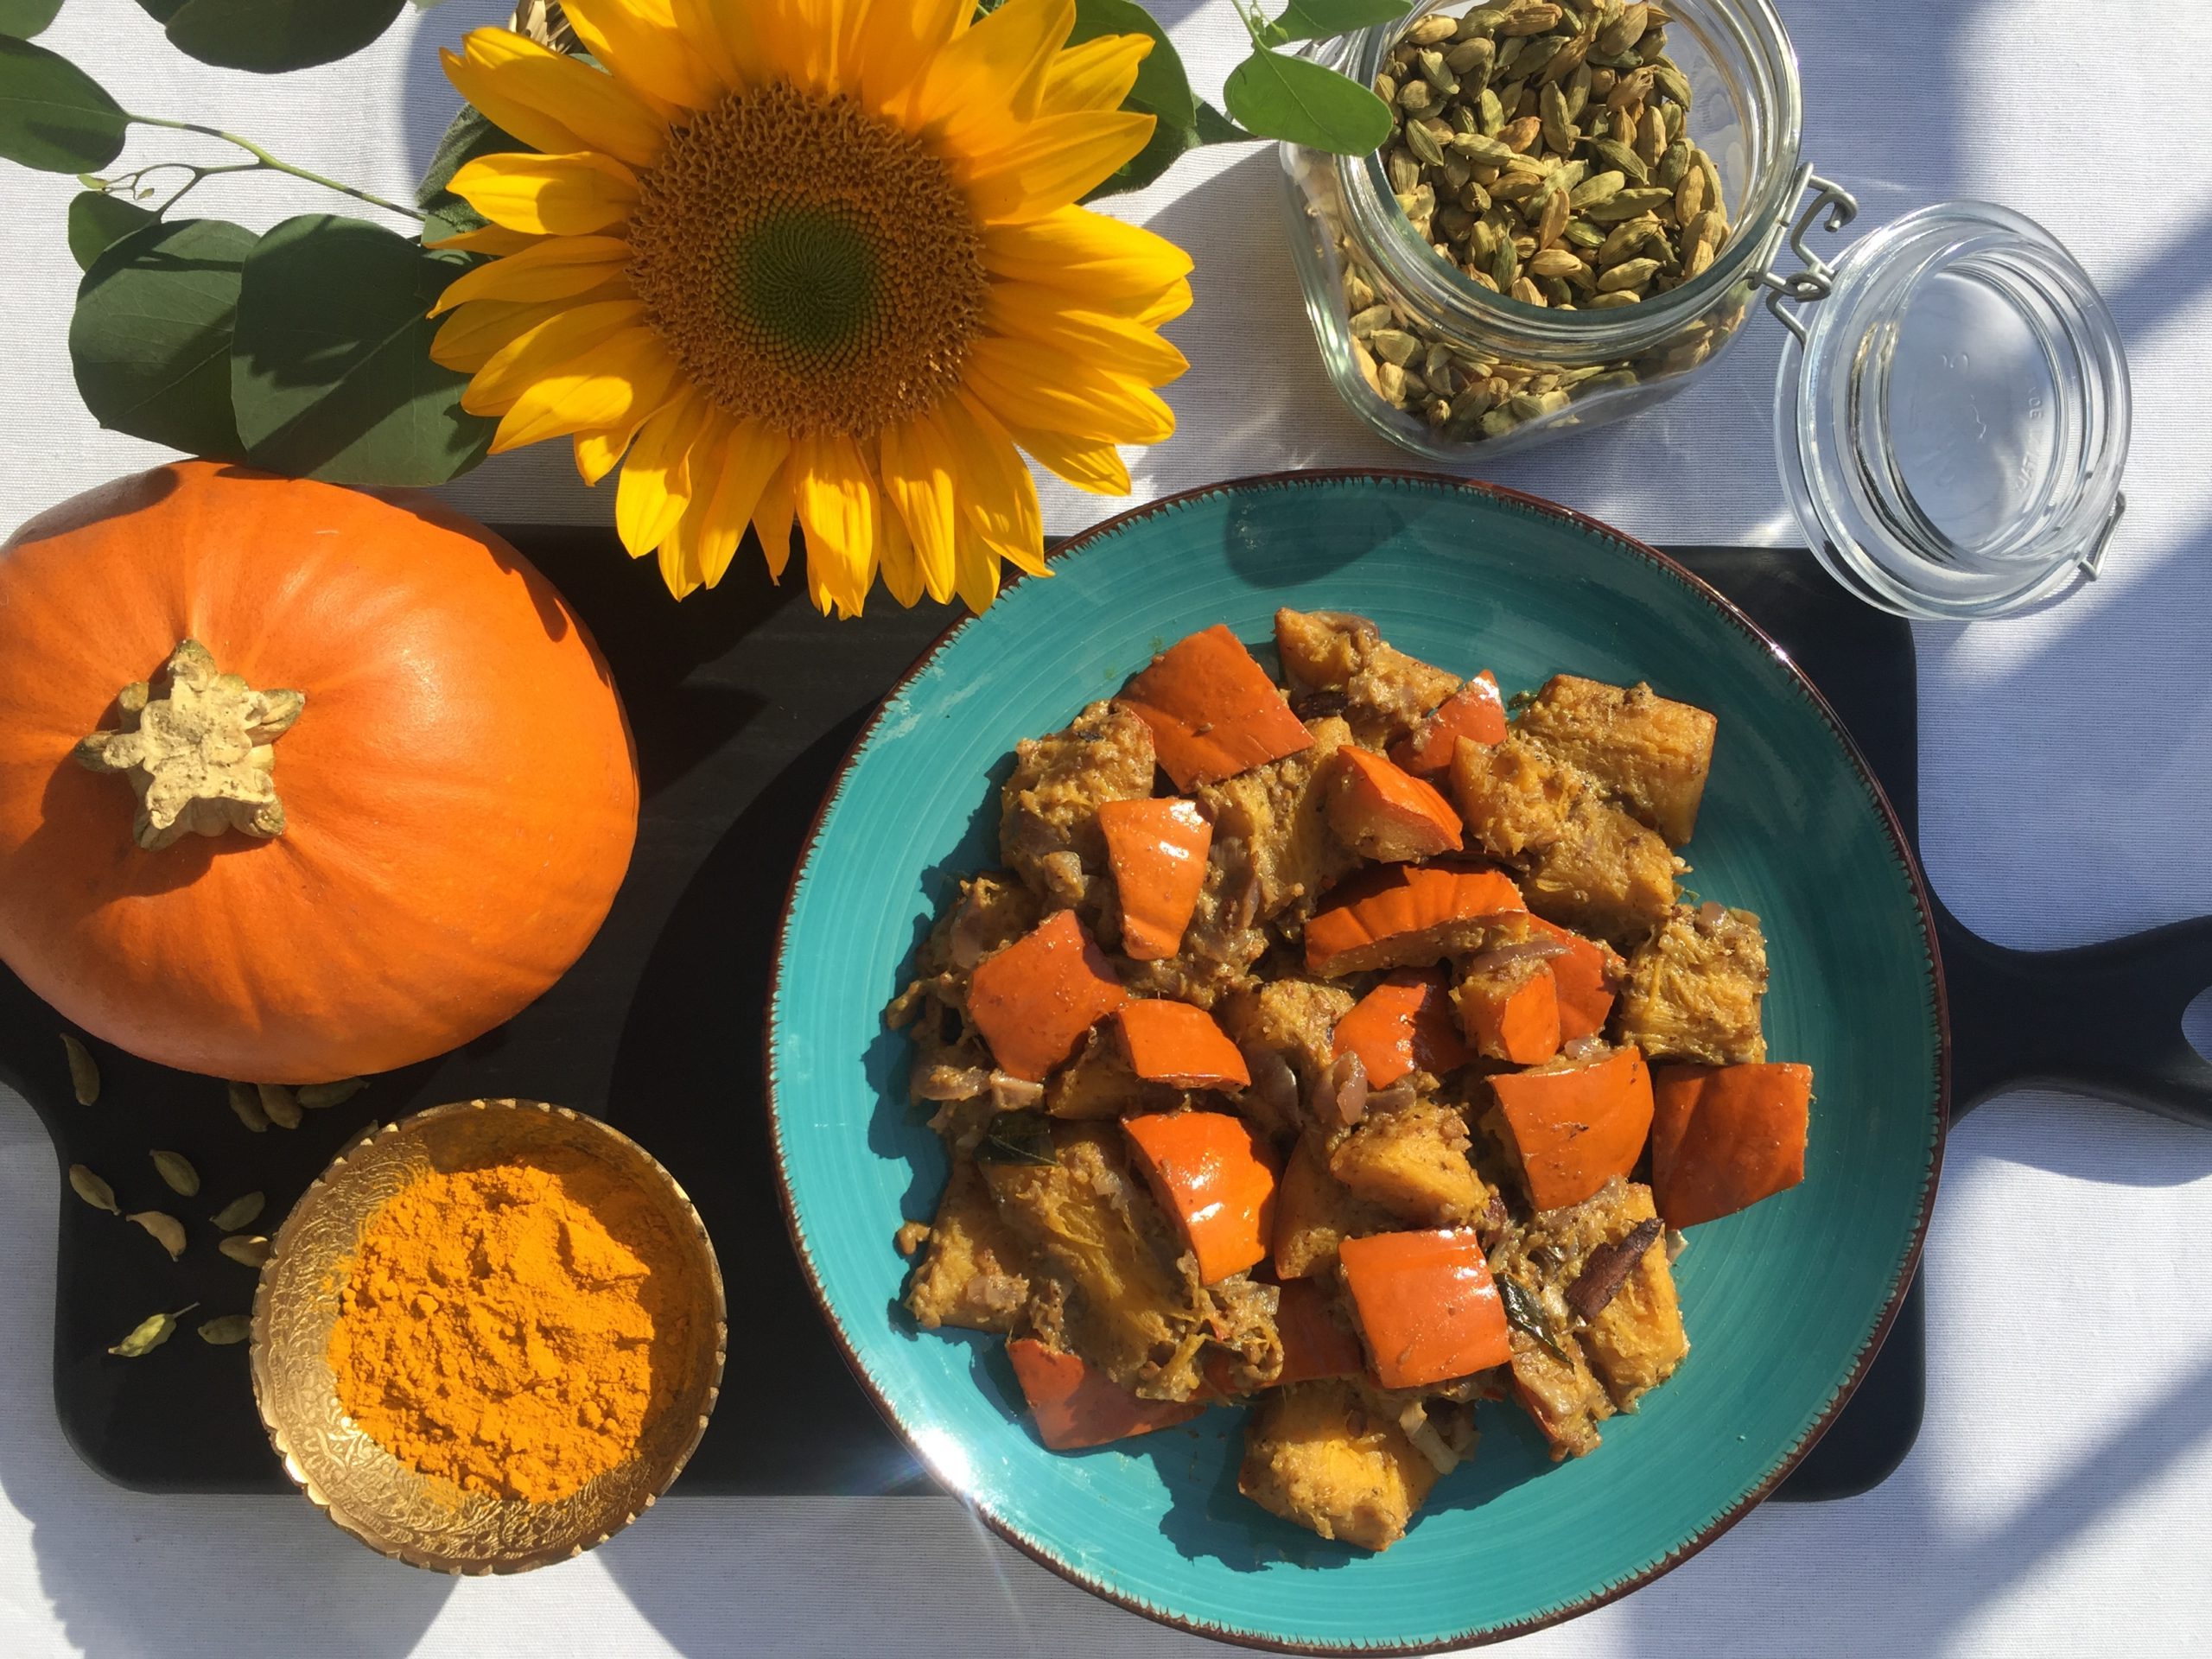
1576	205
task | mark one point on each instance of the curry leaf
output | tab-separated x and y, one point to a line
53	116
24	18
1316	20
1018	1138
1526	1314
98	221
1162	87
150	339
1276	96
330	362
269	36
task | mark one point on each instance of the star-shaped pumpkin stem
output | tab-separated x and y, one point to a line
200	754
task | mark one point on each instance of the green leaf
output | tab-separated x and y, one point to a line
98	221
1316	20
468	135
53	116
1277	96
151	339
330	362
160	10
1215	128
1163	88
269	36
24	18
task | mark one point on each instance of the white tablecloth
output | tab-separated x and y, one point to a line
2056	1501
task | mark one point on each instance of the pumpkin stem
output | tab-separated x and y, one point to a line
200	755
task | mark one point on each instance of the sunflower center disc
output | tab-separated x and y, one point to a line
810	266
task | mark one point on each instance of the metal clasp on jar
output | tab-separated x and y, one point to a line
1816	277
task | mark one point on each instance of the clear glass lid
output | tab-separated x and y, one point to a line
1953	423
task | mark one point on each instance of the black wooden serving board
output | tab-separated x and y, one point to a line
744	702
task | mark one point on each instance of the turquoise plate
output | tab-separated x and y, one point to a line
1785	1303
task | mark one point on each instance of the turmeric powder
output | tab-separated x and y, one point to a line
513	1326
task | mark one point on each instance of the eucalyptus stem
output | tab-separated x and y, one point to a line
262	161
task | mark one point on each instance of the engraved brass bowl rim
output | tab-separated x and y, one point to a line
368	1498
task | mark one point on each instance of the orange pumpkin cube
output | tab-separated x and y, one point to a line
1215	1175
1476	711
1365	914
1034	1000
1723	1137
1075	1404
1213	710
1577	1127
1510	1012
1425	1305
1383	813
1157	850
1174	1043
1582	979
1316	1342
1403	1024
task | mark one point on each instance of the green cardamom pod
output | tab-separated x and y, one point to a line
176	1173
84	1070
240	1212
227	1329
93	1189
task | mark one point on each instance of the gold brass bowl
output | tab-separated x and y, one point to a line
389	1506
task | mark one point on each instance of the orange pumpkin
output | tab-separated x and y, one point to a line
389	791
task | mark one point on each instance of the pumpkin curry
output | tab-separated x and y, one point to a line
1346	1048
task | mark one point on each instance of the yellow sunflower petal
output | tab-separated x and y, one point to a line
614	382
477	330
656	483
975	573
902	572
897	44
637	39
997	494
679	561
1096	75
555	270
1050	318
547	349
1087	252
466	340
772	521
557	195
997	67
1030	385
918	474
724	51
551	101
1052	162
598	453
750	457
486	238
1096	468
839	511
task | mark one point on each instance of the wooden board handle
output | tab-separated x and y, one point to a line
2103	1019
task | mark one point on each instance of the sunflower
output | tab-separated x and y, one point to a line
815	262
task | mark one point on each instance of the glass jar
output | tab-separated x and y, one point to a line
1488	372
1951	430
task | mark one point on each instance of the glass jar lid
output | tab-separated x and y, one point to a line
1952	427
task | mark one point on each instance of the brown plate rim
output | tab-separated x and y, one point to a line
1901	845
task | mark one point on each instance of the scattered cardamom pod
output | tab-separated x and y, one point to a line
251	1248
93	1189
240	1212
176	1173
150	1333
167	1230
227	1329
278	1104
247	1104
315	1097
84	1070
